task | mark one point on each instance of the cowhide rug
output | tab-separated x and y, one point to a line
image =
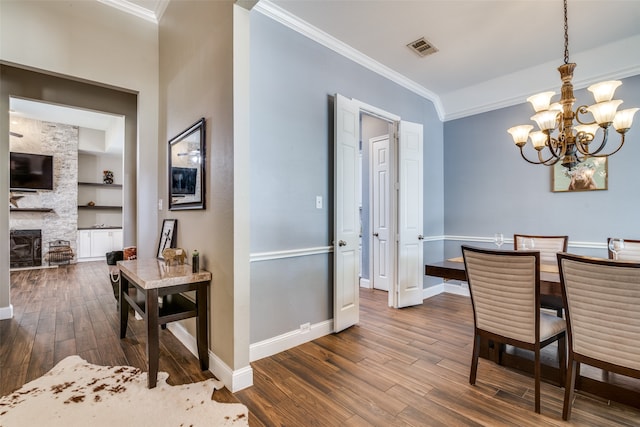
77	393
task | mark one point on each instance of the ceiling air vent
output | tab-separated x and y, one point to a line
422	47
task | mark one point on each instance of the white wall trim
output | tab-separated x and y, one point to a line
6	312
508	241
233	380
365	283
432	291
134	9
290	253
288	340
296	24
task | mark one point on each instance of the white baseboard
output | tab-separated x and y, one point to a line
432	291
233	380
6	312
288	340
458	288
365	283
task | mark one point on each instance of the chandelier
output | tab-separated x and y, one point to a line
565	141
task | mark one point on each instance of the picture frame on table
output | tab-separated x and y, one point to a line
168	236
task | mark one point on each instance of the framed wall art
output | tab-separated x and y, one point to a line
590	175
187	168
168	236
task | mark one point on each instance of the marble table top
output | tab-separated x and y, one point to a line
155	273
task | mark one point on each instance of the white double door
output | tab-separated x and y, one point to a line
403	230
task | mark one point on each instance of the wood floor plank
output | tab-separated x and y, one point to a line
405	367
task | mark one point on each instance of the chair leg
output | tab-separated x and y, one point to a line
474	359
562	358
537	380
569	386
559	313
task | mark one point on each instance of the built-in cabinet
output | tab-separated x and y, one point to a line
99	206
96	243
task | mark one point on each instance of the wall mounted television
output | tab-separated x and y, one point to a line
30	171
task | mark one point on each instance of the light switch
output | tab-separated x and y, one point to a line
318	202
159	204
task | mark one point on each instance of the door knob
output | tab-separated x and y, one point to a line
375	234
420	237
342	243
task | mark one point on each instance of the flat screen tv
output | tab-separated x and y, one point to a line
30	171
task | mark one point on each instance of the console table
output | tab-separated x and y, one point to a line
143	283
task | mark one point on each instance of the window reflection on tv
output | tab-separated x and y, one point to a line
183	180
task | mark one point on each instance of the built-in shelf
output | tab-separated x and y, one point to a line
30	210
100	207
99	184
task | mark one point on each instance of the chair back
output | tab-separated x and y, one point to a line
504	287
630	252
602	302
548	246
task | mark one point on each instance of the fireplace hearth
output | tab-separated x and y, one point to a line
25	249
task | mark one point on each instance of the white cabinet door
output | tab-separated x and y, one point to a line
84	243
96	243
101	242
116	240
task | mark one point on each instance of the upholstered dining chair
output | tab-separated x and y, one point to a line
602	300
630	252
548	246
505	289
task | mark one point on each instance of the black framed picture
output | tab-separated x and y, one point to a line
187	168
168	236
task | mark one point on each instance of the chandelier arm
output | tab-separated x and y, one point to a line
584	148
582	110
541	162
556	148
552	160
613	152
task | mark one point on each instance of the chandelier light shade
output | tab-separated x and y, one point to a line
563	135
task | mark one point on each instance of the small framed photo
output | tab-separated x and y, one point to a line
590	175
168	235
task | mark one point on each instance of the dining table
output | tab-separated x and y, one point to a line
590	380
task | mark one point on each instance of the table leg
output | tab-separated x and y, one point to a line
202	331
123	306
153	336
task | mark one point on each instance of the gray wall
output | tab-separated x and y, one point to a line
489	188
293	80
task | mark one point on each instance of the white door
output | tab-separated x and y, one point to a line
346	300
382	243
410	226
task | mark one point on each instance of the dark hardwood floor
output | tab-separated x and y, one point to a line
405	367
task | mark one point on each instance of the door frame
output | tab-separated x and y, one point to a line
394	121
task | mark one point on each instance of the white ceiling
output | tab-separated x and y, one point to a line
491	53
39	110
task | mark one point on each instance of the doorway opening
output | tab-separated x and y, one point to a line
403	154
377	151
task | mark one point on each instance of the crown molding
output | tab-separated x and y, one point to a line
136	10
285	18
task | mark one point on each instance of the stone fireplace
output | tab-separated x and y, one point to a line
25	249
